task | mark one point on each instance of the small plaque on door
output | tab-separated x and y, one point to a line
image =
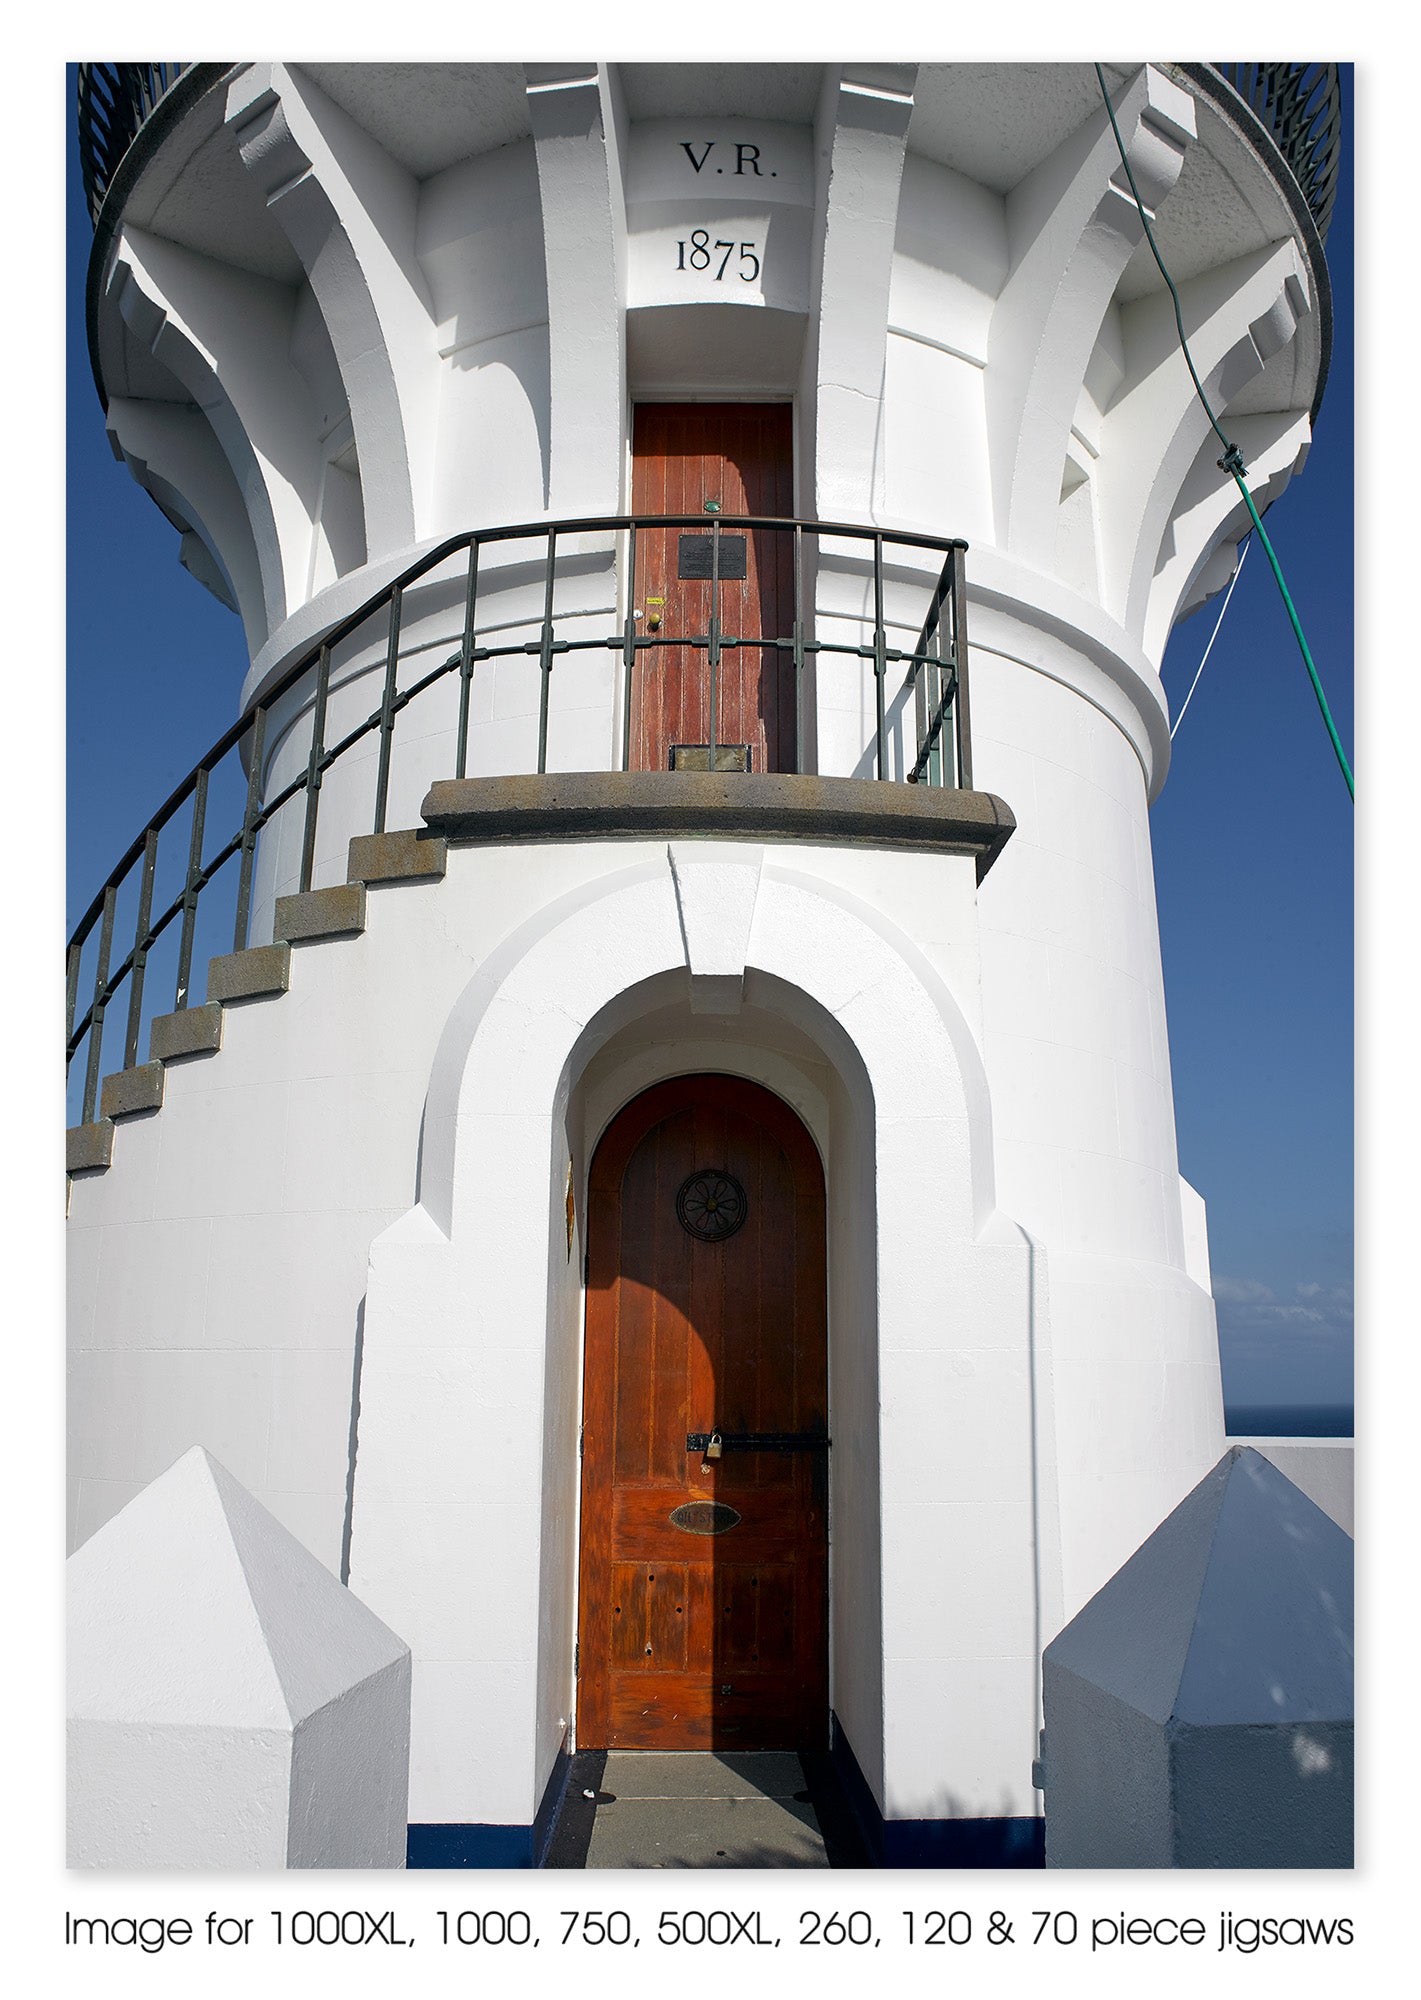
697	757
704	1517
694	557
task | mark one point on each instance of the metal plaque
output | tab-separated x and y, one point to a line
711	1204
704	1517
697	757
693	557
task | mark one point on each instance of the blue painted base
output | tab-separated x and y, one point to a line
933	1843
475	1846
455	1846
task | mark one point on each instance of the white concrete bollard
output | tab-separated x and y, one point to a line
231	1705
1199	1707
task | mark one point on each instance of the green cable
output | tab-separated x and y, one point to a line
1232	460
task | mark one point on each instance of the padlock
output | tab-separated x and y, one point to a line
715	1447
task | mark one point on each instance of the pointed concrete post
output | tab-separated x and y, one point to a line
231	1705
1199	1708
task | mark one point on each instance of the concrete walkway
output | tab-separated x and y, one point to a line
712	1809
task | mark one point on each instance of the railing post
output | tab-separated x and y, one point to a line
713	647
192	888
466	663
249	831
387	710
880	654
943	685
629	649
797	654
314	767
71	991
922	707
140	948
96	1012
546	654
962	714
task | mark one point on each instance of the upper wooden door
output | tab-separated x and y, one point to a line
705	1313
740	455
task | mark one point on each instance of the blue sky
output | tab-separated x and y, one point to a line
1253	841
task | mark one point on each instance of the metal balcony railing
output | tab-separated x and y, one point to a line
115	102
1299	104
834	579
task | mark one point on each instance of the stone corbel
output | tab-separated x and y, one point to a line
325	181
223	338
171	451
1200	552
584	247
863	121
1072	227
1237	318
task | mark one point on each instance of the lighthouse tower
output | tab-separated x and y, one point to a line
627	1100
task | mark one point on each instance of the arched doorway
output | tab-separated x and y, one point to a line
703	1603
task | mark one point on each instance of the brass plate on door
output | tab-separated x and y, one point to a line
704	1517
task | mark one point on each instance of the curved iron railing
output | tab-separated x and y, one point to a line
115	101
935	680
1298	103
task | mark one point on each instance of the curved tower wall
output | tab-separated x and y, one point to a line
352	310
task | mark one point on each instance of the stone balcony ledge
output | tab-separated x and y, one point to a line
764	806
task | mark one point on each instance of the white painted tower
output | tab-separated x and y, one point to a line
353	323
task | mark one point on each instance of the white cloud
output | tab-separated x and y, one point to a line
1240	1291
1255	1323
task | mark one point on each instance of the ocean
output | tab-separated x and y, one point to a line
1310	1420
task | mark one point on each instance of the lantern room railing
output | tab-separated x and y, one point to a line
1300	106
115	101
893	602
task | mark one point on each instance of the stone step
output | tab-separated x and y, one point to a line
88	1149
129	1091
412	856
260	972
195	1031
321	913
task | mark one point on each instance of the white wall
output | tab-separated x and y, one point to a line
308	1123
959	306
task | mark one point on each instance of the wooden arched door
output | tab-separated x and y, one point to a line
703	1614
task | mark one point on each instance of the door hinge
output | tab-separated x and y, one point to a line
576	1658
581	1438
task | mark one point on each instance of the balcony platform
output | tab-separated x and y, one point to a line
637	805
